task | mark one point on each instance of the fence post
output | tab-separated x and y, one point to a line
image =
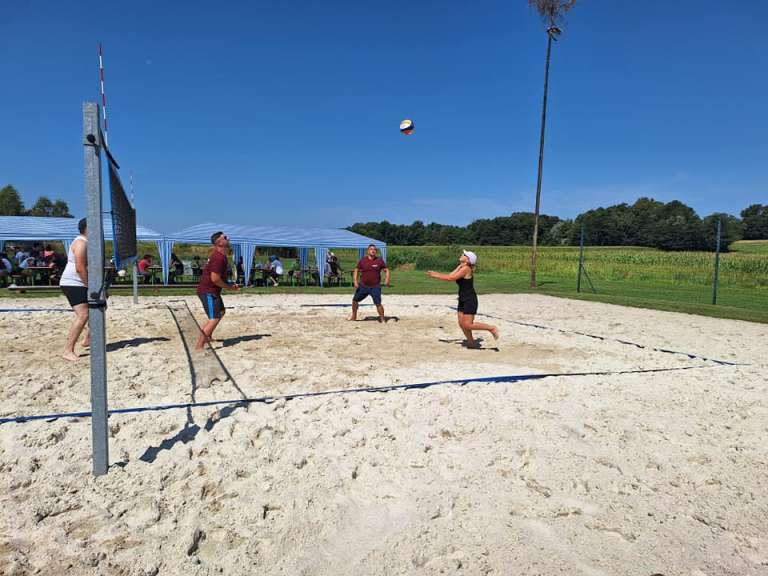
581	259
717	266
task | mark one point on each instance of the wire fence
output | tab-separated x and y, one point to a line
735	275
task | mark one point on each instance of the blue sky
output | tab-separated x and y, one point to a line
287	112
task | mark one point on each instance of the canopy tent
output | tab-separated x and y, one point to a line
245	239
34	228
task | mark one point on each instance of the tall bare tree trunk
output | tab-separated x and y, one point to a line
541	163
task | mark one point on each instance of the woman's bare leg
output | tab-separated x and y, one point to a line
470	324
467	332
81	319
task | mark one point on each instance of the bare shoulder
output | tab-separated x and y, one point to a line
79	245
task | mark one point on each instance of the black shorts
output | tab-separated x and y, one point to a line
213	305
468	306
75	294
364	291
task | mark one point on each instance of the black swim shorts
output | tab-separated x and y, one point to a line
468	306
75	294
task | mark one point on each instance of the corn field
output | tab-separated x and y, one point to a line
743	269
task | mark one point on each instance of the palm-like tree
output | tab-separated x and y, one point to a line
552	13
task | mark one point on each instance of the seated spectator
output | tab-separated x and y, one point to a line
197	267
6	269
143	266
334	270
26	273
26	263
295	271
275	269
240	271
48	254
20	256
176	268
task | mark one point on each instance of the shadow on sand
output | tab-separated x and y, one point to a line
133	342
463	343
240	339
189	330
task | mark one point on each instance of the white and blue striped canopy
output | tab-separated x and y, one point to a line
26	228
245	239
279	236
31	228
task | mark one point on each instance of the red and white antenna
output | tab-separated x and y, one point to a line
103	95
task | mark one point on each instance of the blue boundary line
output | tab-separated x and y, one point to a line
562	331
372	389
608	339
3	310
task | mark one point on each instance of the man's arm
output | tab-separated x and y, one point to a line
354	278
386	276
218	281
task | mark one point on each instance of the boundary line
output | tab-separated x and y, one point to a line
609	339
4	310
372	389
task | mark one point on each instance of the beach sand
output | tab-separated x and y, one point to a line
615	469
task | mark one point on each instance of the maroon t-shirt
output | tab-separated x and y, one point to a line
217	262
370	270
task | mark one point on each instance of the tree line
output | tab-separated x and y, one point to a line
11	204
647	222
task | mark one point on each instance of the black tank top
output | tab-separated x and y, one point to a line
466	288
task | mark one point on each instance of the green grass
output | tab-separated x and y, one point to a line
751	247
629	276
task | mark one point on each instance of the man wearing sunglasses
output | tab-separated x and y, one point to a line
212	282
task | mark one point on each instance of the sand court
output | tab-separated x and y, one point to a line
619	470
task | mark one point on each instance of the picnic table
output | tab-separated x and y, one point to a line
43	273
154	273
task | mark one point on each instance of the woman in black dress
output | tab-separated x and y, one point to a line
463	275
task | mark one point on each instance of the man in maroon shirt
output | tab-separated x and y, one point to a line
212	281
367	280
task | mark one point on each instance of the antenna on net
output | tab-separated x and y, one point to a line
103	96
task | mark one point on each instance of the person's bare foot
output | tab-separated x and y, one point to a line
496	334
352	319
70	356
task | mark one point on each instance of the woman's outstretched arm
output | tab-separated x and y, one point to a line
459	272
